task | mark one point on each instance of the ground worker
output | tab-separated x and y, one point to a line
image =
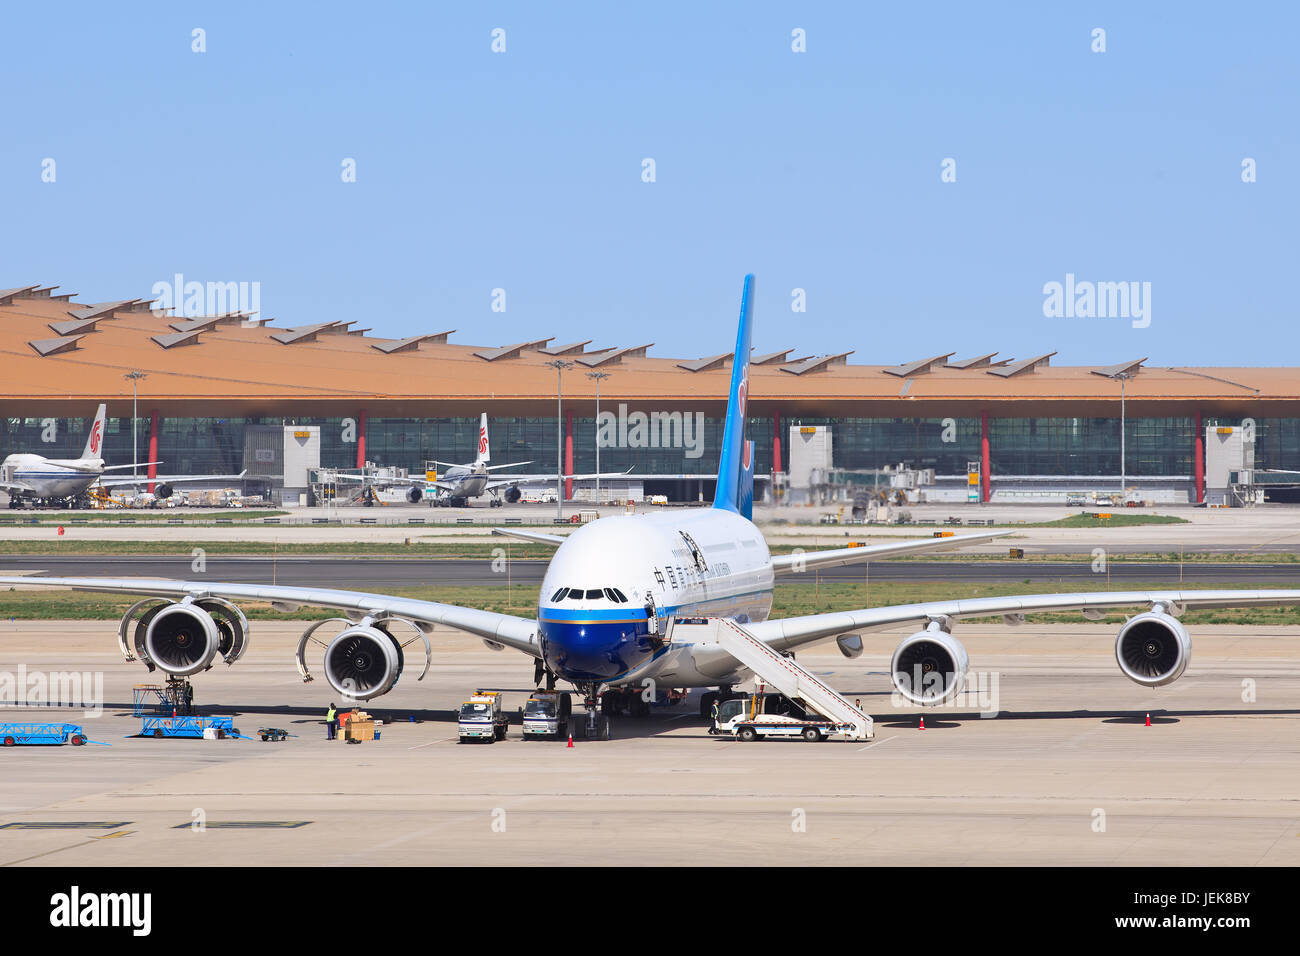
713	729
331	722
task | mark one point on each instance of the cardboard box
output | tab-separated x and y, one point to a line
359	730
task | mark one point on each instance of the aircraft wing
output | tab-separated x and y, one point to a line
381	480
116	482
540	537
801	561
792	632
8	485
517	632
550	479
138	464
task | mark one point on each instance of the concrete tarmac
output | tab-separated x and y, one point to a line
1067	773
369	573
1265	529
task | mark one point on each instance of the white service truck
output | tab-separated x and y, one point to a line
546	715
745	718
481	718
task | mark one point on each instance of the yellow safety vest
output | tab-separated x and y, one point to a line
330	715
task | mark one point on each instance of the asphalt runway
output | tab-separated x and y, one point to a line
1063	771
377	573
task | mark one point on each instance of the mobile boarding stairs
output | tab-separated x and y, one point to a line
782	673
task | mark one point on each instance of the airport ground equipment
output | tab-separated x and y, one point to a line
27	735
481	718
273	733
174	698
190	726
746	718
546	715
796	683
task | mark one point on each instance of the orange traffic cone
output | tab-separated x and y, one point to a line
1148	720
570	744
923	723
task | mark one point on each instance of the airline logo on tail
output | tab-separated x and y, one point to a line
483	452
95	440
729	493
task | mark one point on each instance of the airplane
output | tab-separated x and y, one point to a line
618	595
67	481
462	482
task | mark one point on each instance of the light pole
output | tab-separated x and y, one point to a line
135	378
1123	373
559	365
596	377
1123	471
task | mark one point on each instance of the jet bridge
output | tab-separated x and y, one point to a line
790	679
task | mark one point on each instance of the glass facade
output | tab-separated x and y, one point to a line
944	444
1155	447
1277	442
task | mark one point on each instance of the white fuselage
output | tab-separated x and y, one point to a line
468	481
697	563
41	477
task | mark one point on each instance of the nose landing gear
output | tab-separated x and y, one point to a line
597	725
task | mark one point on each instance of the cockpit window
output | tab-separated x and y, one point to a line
594	594
559	595
609	593
576	594
619	595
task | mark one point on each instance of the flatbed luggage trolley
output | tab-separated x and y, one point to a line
26	735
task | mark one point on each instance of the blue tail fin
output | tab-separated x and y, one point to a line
747	482
731	492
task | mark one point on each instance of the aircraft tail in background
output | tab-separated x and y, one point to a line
95	440
484	452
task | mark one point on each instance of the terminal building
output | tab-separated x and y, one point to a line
229	392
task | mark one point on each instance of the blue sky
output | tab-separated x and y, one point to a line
821	170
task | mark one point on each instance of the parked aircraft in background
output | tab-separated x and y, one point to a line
461	483
66	482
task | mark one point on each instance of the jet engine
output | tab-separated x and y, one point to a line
1153	648
182	638
414	495
513	494
162	491
364	661
929	667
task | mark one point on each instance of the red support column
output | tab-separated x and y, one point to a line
776	442
361	440
153	446
568	454
1198	454
984	456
